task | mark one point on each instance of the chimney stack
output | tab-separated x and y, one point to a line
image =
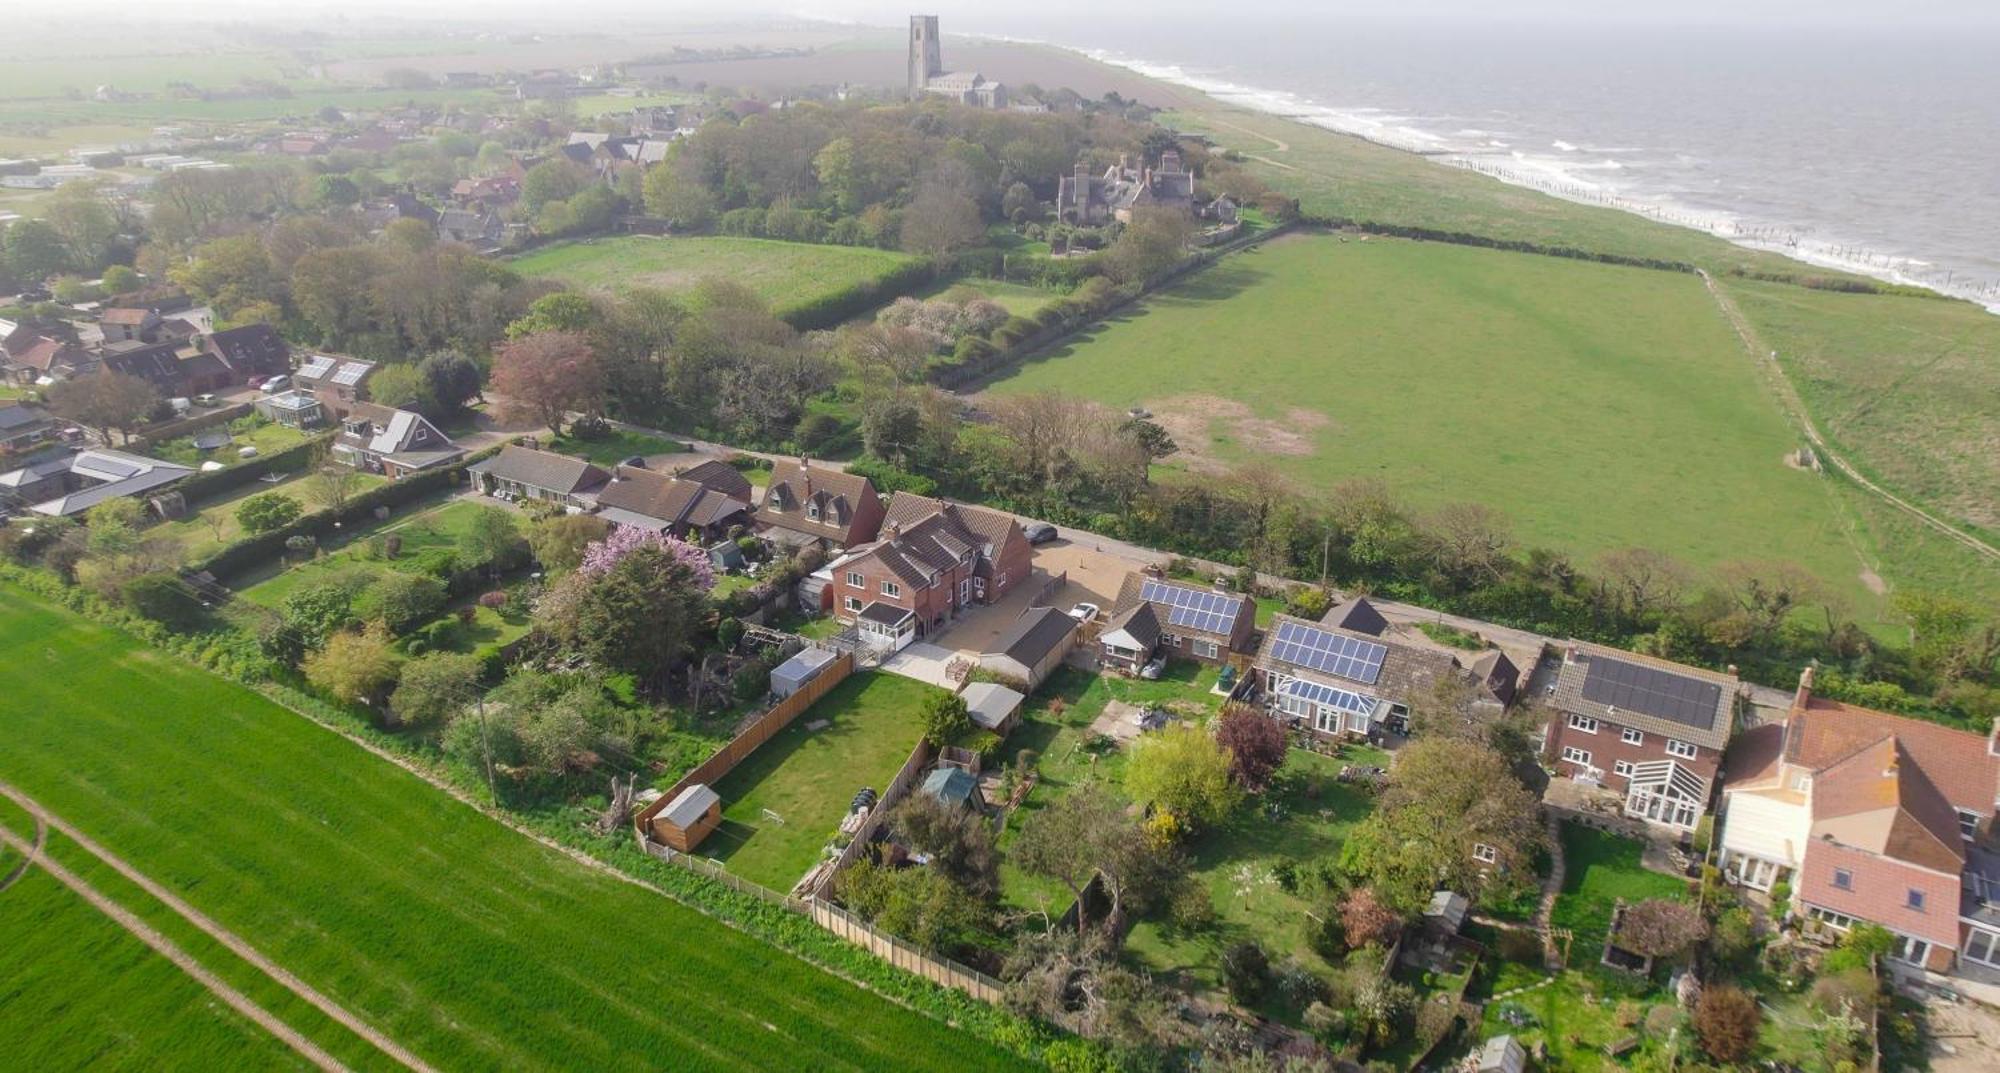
1804	695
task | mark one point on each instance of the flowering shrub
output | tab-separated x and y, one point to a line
599	556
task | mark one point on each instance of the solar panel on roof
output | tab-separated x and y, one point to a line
1328	695
1348	657
1653	691
316	367
351	373
1195	609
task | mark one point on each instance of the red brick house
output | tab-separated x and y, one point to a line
933	562
1649	729
807	504
1872	817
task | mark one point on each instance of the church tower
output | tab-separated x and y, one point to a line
926	57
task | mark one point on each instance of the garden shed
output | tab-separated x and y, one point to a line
792	675
954	786
1503	1054
688	818
993	706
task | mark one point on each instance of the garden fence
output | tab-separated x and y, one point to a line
711	770
172	430
920	758
904	956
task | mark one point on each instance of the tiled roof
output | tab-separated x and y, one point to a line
1039	631
543	469
983	526
1137	622
837	494
1407	671
1878	889
1821	732
1356	614
667	498
720	476
1711	729
921	551
1130	595
1879	800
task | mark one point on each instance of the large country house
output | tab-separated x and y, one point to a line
807	504
934	561
1651	730
1086	199
1342	676
1873	817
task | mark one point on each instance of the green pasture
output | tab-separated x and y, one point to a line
473	946
1597	406
439	527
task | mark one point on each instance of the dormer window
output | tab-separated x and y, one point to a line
812	511
1843	879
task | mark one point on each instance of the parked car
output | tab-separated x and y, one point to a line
1151	672
1084	612
207	400
1039	532
275	385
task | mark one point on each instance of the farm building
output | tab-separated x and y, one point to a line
1033	647
993	706
688	818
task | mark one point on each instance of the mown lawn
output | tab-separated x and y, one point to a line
1598	870
1581	399
211	524
1016	298
473	946
809	777
783	273
614	447
268	437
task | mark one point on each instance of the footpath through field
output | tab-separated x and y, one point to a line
1794	405
235	943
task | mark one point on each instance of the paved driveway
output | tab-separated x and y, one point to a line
922	661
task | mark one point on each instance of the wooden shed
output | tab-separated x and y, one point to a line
688	818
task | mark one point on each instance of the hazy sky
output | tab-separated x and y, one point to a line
989	12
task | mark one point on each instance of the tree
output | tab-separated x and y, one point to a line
944	719
83	219
357	667
551	180
329	481
1018	204
1246	972
1069	837
560	311
1445	797
231	272
941	221
1726	1021
491	539
1152	244
958	841
400	600
263	513
639	615
33	250
104	402
402	387
435	688
1365	921
1660	927
453	379
120	279
1645	583
1184	770
545	375
1256	745
317	610
559	539
1468	542
918	904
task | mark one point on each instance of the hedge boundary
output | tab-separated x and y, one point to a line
293	459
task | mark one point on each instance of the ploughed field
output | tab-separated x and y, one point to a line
785	274
1598	406
470	945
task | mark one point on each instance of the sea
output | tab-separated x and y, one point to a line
1870	148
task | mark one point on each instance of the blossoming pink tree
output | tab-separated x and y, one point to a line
599	556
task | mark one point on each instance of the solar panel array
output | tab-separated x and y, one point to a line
1195	609
1332	653
1660	693
316	367
351	373
1328	695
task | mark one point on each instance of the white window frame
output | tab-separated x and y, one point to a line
1836	921
1911	950
812	511
854	603
891	589
1171	640
1484	853
1682	749
1574	755
1968	824
1973	936
1632	737
1914	900
1837	881
1583	724
1622	767
855	580
1206	649
964	589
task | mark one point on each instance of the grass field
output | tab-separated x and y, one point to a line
266	436
783	273
1016	298
809	777
615	447
1598	870
438	527
1581	399
471	945
1907	389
